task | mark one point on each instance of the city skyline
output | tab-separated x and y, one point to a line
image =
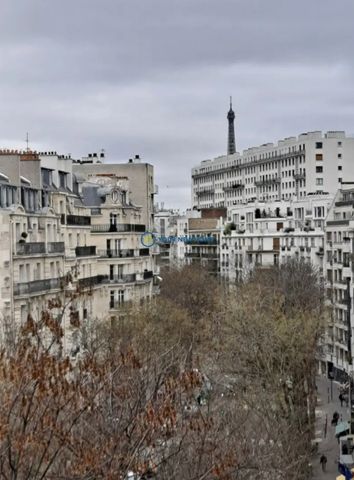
68	81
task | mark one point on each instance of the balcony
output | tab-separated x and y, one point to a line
205	191
234	186
212	256
299	176
39	248
194	240
31	248
85	251
75	220
267	181
122	278
120	304
192	254
125	253
38	286
89	282
56	247
118	228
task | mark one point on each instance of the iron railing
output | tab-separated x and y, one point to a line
56	247
123	278
118	227
37	286
112	253
89	282
85	251
30	248
80	220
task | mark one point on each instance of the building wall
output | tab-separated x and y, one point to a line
141	182
338	267
263	234
50	251
284	171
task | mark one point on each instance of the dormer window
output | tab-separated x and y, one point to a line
62	179
46	177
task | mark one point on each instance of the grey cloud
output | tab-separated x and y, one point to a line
153	77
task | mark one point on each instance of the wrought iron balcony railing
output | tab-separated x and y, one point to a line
56	247
30	248
89	282
118	227
123	278
79	220
111	253
35	248
85	251
38	286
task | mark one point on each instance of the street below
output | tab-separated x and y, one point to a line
327	404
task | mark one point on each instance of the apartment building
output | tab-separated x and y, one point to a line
262	234
293	168
165	228
338	265
182	228
203	245
72	227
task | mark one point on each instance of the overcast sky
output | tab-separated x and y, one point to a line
154	76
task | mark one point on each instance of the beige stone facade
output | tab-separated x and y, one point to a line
66	227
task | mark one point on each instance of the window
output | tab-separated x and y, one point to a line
339	155
318	144
46	176
120	296
62	179
339	167
340	180
319	181
339	144
319	156
319	169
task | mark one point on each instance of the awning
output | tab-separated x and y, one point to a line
341	428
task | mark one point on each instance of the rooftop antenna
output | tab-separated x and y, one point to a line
27	142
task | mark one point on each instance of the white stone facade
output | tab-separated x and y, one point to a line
296	166
338	267
262	234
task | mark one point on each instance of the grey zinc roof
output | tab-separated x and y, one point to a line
90	196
